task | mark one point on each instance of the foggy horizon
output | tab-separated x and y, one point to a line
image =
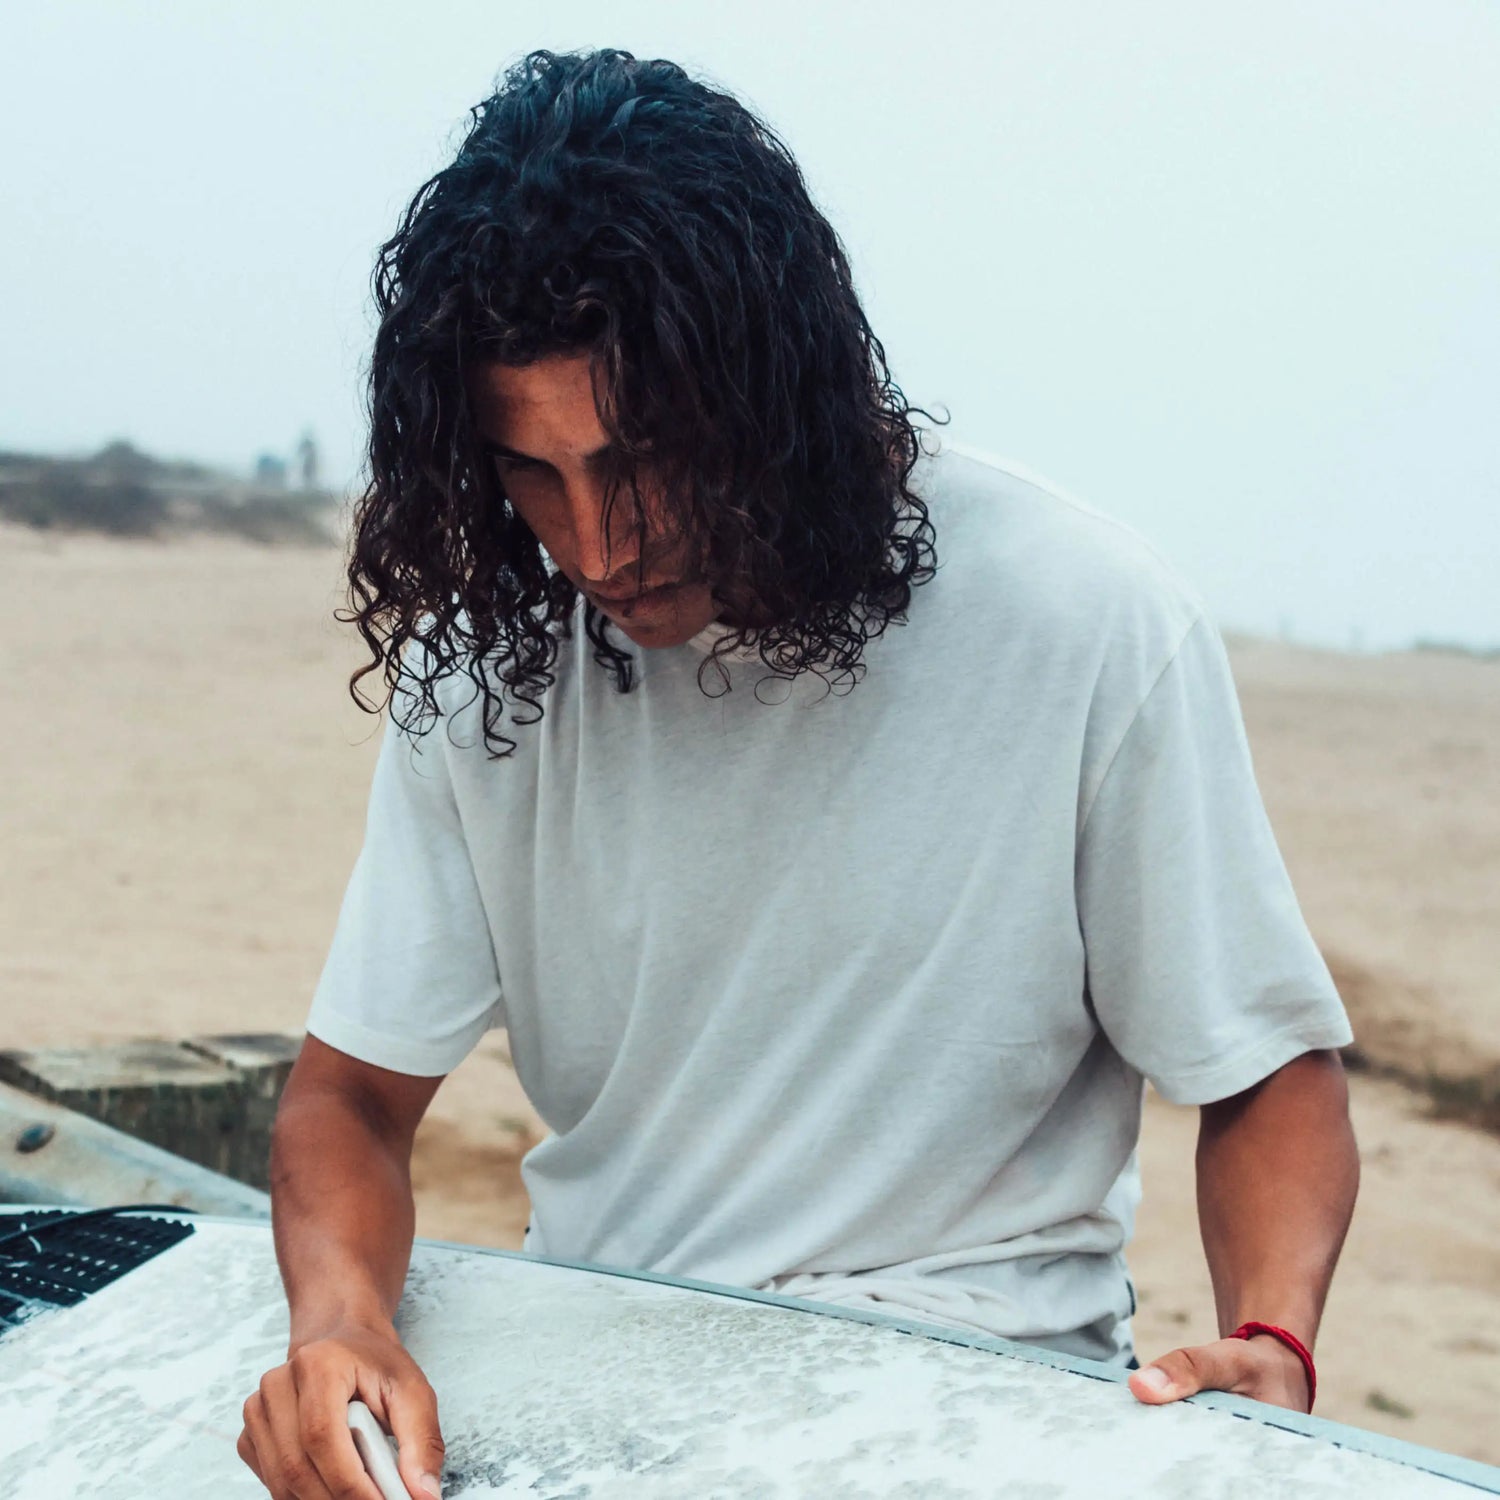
1230	277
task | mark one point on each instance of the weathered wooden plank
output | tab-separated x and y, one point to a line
53	1155
210	1100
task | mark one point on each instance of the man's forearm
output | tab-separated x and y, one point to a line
1278	1170
342	1212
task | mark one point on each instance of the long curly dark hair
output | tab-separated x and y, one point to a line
619	208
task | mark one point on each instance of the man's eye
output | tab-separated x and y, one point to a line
517	471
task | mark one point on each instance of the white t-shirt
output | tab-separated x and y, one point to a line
850	996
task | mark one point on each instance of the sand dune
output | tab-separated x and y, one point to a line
182	788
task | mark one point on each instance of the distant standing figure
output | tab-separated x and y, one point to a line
307	460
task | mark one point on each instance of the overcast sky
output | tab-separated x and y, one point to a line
1230	273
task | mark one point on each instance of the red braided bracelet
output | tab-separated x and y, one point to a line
1249	1330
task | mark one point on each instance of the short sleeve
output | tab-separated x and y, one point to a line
411	981
1201	969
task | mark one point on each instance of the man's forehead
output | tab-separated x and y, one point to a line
552	395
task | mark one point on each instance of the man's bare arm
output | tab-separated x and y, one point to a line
1278	1171
343	1219
341	1188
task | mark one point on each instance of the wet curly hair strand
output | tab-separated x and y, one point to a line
605	205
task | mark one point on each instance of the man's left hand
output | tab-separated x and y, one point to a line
1262	1368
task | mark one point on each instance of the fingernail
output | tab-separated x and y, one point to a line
431	1484
1155	1379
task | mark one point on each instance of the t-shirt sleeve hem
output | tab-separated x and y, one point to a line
420	1059
1228	1076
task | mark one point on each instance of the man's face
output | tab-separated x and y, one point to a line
540	425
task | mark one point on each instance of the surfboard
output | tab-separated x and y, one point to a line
558	1381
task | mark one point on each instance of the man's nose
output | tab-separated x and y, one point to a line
604	559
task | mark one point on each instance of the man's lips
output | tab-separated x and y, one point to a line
656	588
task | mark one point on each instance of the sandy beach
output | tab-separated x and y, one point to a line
184	781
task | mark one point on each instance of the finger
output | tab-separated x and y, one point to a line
298	1476
246	1450
265	1464
411	1414
323	1392
1220	1366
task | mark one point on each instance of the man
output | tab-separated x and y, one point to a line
841	830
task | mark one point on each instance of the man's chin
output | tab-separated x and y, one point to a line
667	633
682	617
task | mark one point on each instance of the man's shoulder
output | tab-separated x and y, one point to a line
1021	550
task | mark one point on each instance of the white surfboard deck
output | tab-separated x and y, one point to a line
560	1382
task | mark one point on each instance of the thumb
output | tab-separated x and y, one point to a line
412	1409
1185	1372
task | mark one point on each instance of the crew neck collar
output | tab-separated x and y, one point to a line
714	632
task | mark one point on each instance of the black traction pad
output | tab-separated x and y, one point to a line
64	1261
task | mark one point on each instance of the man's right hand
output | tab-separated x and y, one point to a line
296	1437
343	1217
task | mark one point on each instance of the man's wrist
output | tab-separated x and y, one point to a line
1297	1315
311	1324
